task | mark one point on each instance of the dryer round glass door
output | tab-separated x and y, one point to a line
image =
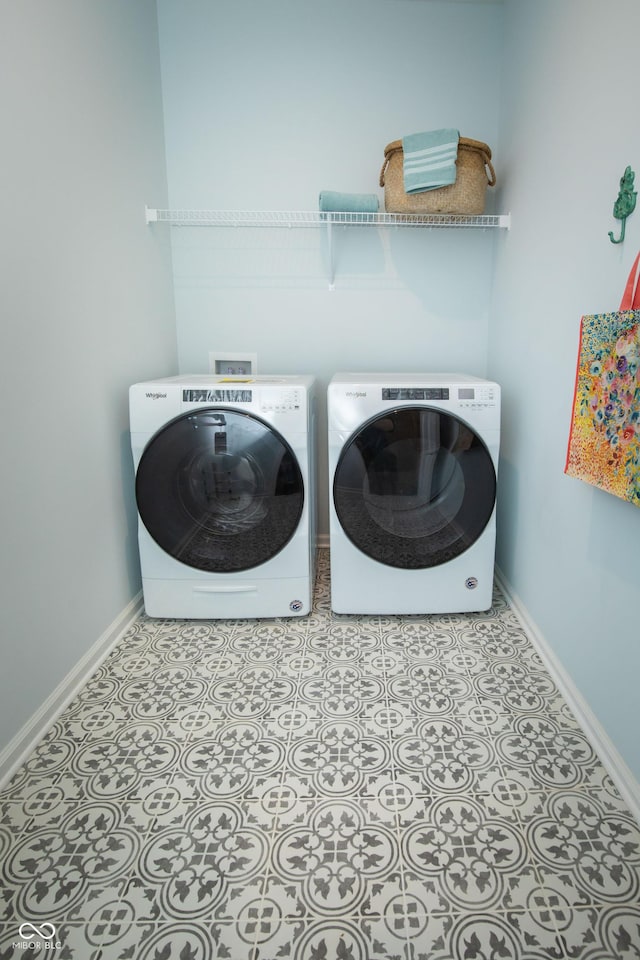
219	490
414	487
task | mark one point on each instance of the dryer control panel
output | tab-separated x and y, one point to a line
476	396
415	393
483	395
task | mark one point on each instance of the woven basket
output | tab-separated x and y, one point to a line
465	196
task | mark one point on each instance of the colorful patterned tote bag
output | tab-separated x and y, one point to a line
604	442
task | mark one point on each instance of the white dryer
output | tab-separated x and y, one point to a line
413	462
224	491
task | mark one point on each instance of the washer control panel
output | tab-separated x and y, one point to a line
217	395
270	400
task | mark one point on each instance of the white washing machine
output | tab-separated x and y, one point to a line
413	462
224	490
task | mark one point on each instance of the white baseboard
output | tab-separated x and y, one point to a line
18	749
600	741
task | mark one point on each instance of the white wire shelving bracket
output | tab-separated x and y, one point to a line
313	218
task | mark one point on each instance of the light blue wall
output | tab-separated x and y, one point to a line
569	129
86	309
267	104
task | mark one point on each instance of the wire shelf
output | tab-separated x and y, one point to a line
314	218
311	218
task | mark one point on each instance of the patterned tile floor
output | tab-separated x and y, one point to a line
330	788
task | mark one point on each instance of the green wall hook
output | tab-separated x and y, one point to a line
626	202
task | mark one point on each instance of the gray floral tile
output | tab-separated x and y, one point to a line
602	932
514	935
331	788
209	860
51	872
467	857
446	758
337	758
591	849
555	757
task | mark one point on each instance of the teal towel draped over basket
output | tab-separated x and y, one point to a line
430	159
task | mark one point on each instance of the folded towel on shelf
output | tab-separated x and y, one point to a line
429	159
331	201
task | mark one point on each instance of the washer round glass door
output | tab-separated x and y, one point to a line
414	487
219	490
